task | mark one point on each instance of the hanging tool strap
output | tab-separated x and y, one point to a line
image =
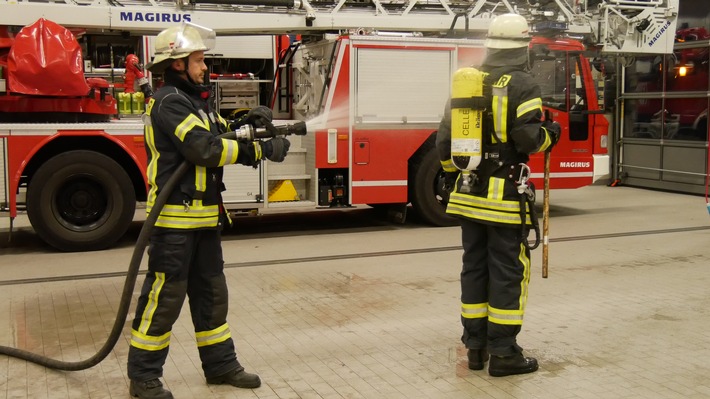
527	200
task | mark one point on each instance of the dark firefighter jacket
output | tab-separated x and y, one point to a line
512	130
180	125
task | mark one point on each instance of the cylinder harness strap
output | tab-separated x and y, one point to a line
527	197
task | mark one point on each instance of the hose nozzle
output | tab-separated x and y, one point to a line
298	129
249	132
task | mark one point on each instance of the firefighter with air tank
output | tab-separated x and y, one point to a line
492	123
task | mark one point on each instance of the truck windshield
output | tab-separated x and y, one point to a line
551	75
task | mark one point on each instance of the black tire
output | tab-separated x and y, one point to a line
426	183
80	201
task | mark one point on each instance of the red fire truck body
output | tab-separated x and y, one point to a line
372	103
386	98
371	142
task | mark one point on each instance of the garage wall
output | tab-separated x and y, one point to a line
663	129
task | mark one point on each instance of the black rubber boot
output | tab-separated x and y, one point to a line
151	389
239	379
510	365
477	358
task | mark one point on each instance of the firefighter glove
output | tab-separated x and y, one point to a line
275	149
259	116
553	129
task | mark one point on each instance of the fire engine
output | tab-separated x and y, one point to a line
371	91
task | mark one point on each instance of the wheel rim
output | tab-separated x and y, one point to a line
81	203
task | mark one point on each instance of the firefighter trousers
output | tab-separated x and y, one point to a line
182	263
494	286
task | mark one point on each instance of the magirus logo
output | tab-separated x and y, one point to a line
171	17
575	164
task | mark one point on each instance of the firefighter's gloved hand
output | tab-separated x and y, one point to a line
554	129
259	116
275	149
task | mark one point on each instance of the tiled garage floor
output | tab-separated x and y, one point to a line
625	312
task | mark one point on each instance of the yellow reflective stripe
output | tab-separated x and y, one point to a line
474	310
179	223
500	108
200	178
219	334
495	189
525	261
230	150
222	120
149	106
150	343
505	316
152	305
196	216
498	204
195	210
528	106
500	113
448	166
547	142
186	125
484	214
257	151
152	169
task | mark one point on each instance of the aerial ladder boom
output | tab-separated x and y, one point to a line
616	26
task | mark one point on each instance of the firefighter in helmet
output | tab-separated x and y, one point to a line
494	216
185	253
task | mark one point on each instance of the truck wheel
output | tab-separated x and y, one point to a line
80	201
426	183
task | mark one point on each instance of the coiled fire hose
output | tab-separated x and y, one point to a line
245	132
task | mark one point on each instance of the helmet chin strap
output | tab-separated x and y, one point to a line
528	63
186	61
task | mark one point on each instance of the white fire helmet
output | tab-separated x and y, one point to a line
178	42
508	31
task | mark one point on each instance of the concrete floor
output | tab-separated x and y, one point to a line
372	311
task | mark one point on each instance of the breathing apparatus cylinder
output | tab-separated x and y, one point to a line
467	123
466	119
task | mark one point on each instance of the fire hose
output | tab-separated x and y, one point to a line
246	132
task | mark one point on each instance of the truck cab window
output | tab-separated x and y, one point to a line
551	74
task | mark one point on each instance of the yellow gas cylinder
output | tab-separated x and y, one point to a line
138	103
124	103
466	119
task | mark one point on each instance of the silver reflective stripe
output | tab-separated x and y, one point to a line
530	105
230	150
156	345
505	316
220	334
474	311
501	205
482	214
